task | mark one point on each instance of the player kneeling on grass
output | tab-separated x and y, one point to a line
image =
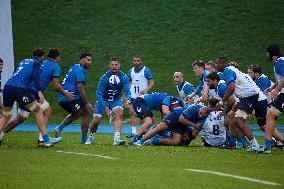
180	118
215	127
144	105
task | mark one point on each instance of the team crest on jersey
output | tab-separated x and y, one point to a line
114	80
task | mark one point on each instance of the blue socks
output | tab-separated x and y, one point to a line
242	140
267	143
232	140
61	126
155	140
84	138
45	138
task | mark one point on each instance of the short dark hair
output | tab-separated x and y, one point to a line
257	69
38	52
236	65
114	58
199	63
223	59
1	60
84	55
213	76
273	50
53	53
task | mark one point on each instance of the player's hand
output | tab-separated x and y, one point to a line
41	97
127	103
219	105
274	94
108	111
143	92
68	94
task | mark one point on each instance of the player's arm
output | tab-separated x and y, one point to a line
56	82
57	87
165	109
100	91
126	89
183	120
149	76
36	79
82	92
230	90
230	78
277	89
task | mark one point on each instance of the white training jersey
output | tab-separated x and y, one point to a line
245	86
214	130
139	82
214	93
185	90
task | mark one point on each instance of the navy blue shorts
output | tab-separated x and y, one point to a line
20	95
73	106
172	121
279	102
141	108
35	94
248	104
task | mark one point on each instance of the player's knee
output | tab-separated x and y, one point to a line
45	106
273	112
34	107
241	114
22	114
7	112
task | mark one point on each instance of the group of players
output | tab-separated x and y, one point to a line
231	94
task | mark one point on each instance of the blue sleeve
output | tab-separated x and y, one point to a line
222	88
36	74
189	112
264	83
129	75
220	74
167	101
56	71
188	89
126	88
229	76
279	67
200	87
148	74
100	91
80	76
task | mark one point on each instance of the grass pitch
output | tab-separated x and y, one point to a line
23	165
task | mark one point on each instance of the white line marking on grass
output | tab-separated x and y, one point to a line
235	176
85	154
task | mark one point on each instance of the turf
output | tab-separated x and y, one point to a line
23	165
169	35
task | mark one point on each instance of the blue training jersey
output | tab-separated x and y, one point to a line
26	72
156	100
48	70
191	113
219	92
201	84
263	82
77	74
110	87
279	70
